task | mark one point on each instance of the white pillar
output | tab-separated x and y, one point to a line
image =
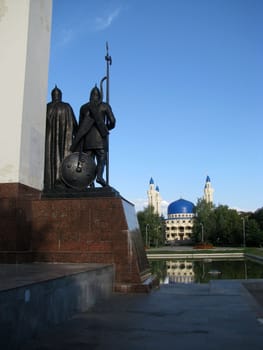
25	27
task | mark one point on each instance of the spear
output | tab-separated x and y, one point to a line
108	63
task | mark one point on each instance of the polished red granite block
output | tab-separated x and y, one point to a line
18	190
90	229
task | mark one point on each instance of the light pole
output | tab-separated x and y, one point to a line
202	231
244	232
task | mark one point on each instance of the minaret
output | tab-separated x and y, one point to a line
154	198
208	191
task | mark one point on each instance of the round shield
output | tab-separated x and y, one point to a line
78	171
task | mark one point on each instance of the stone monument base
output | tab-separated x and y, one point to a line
99	227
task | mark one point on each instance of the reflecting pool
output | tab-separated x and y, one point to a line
202	271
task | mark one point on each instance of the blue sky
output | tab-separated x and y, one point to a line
186	88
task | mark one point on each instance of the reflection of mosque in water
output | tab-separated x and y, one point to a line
179	271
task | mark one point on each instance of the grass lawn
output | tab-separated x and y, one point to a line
195	251
164	250
254	251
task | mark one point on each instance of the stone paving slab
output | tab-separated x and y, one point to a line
212	316
256	289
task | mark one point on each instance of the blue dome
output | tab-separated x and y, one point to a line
151	181
181	206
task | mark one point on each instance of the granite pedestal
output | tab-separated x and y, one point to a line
85	228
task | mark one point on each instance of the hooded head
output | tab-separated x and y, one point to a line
56	94
95	95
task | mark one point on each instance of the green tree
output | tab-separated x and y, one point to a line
204	221
254	236
228	228
235	224
258	216
219	225
152	227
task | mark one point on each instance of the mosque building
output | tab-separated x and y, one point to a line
180	221
180	213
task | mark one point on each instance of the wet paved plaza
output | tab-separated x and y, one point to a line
218	315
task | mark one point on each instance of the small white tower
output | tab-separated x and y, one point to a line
154	198
208	191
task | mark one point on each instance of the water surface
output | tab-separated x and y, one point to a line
202	271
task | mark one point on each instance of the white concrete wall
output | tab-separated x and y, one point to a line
25	27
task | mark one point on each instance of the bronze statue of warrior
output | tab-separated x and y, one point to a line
95	120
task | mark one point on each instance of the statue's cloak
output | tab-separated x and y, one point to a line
61	127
